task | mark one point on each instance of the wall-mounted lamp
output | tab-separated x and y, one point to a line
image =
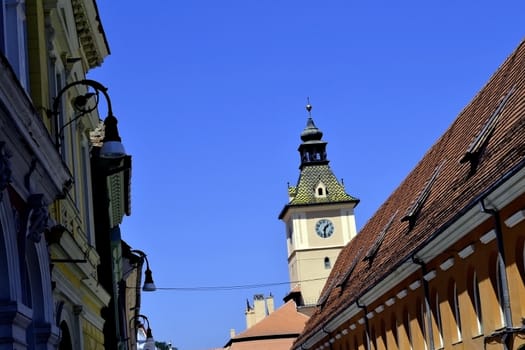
149	344
149	285
112	146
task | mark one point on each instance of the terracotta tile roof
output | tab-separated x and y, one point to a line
456	188
286	320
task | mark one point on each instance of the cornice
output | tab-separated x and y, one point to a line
90	31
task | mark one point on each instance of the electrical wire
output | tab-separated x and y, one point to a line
229	288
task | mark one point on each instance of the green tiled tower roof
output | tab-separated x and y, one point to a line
309	179
317	183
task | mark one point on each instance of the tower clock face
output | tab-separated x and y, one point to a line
324	228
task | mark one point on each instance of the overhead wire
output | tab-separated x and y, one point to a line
231	287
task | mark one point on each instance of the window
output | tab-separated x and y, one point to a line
456	312
408	331
327	264
476	304
320	190
499	289
13	38
438	337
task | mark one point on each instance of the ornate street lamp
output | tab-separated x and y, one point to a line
112	144
149	285
149	344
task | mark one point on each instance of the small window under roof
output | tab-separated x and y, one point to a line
414	210
324	297
370	255
346	276
476	147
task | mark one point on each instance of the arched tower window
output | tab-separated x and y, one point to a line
327	263
320	190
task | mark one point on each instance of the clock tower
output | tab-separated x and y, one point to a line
319	217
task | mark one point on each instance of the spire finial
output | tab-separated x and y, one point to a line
309	107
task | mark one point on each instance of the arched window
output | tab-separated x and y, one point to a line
499	284
327	263
421	331
454	305
436	318
475	300
395	336
496	301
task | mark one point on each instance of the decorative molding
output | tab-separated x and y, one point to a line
352	326
390	301
447	264
465	252
37	217
515	218
379	309
402	294
487	237
361	320
430	275
370	315
415	285
5	168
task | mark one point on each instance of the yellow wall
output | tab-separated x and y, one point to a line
392	323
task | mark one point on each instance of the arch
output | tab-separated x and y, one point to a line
453	302
327	263
65	337
395	336
497	299
475	302
9	261
407	336
436	319
420	338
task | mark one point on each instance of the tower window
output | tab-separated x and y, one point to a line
327	264
320	190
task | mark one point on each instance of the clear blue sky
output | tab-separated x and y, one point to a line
210	97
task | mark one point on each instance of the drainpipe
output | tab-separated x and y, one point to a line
502	267
428	315
367	326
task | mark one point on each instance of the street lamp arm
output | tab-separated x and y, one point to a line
112	145
87	82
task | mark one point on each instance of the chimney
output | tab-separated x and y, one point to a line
259	307
232	333
270	304
250	315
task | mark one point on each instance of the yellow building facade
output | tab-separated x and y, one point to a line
441	264
50	293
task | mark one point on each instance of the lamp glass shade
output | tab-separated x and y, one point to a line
149	344
112	150
149	285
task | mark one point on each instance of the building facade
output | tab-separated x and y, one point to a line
441	263
51	295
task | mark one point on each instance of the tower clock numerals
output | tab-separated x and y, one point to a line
324	228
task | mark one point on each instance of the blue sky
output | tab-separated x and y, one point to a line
210	99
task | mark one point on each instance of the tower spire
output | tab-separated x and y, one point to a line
312	149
